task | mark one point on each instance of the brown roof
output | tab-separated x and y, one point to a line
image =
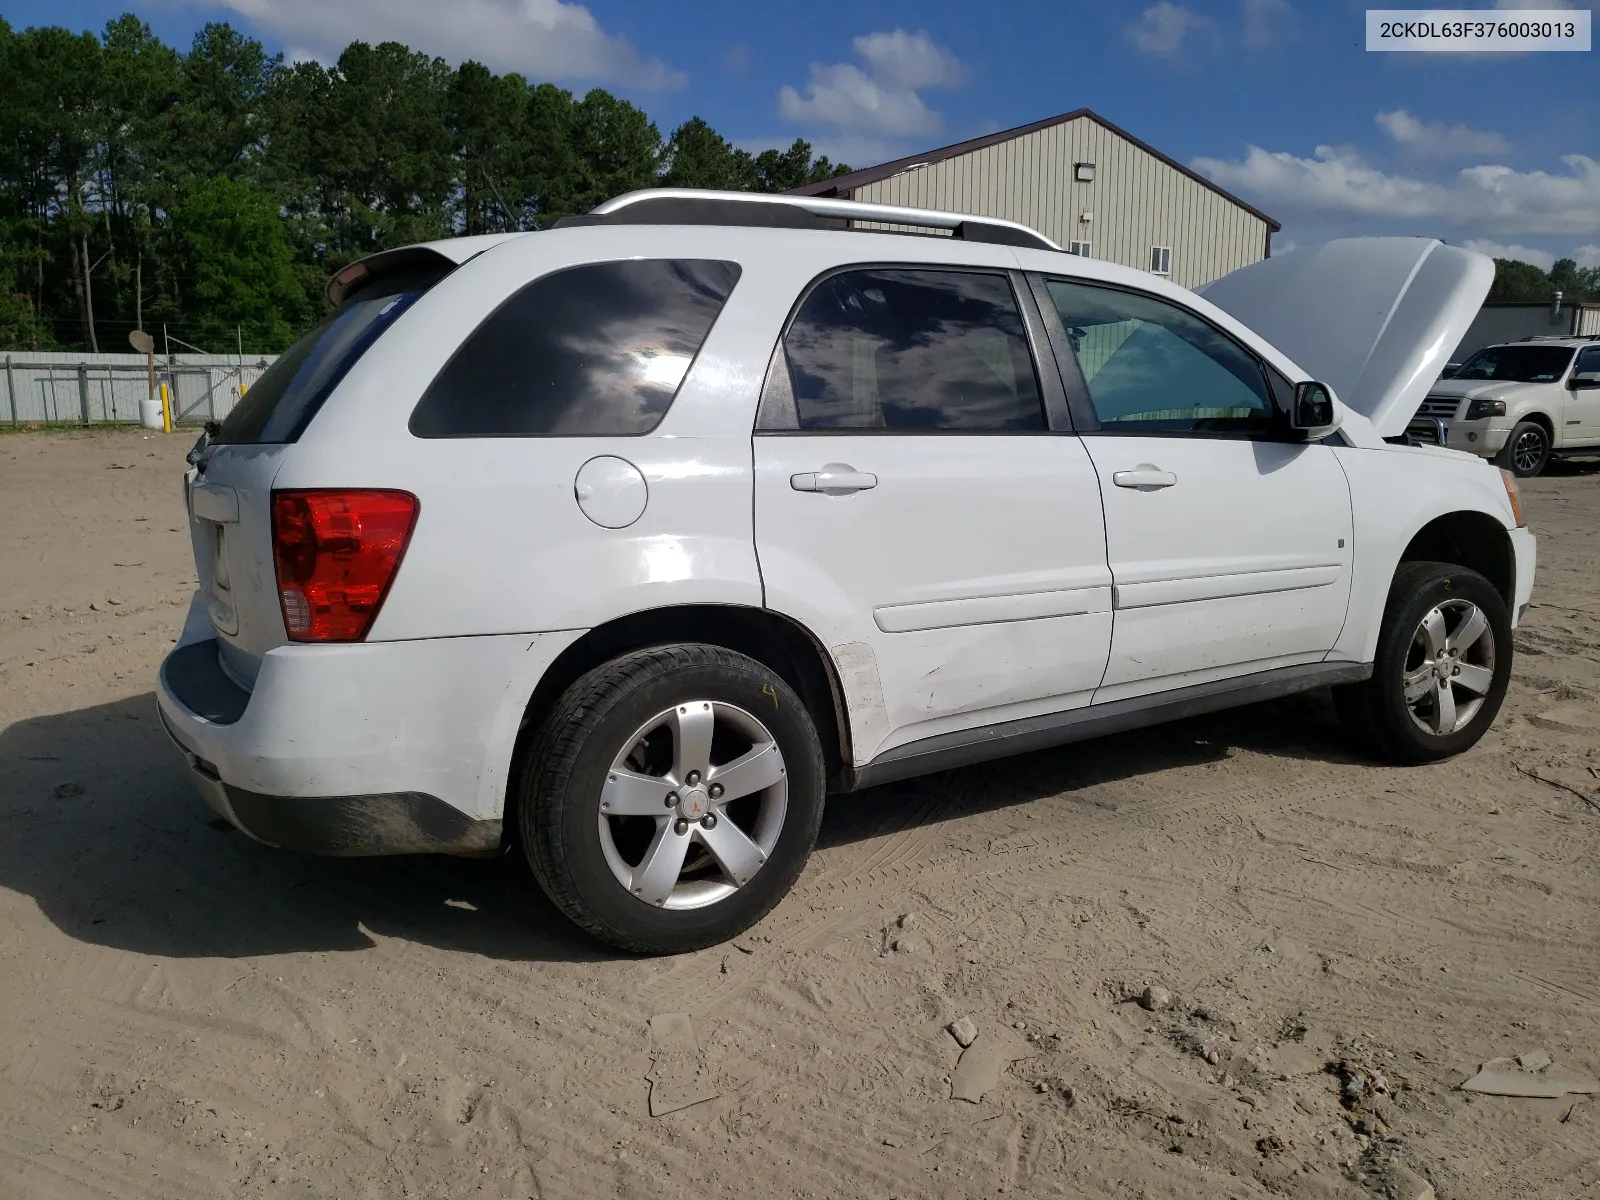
844	185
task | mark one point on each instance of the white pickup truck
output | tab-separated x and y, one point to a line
1522	403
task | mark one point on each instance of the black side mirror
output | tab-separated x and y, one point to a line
1584	379
1313	412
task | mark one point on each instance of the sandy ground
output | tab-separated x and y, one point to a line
184	1013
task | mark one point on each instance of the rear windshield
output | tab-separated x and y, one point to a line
1517	364
280	404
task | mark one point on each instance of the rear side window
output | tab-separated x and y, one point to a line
283	401
923	350
591	351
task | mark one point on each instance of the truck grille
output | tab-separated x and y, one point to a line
1439	406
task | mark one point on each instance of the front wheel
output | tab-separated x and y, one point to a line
1527	450
672	797
1442	666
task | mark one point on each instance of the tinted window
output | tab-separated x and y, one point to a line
281	403
596	350
912	349
1588	361
1150	365
1517	364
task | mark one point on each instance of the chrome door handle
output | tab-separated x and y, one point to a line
1146	477
835	479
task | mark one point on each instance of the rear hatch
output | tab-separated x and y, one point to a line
229	484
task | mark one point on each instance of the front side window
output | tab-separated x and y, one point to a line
1151	366
591	351
1517	364
914	350
1588	361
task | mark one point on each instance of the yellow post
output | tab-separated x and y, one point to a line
166	409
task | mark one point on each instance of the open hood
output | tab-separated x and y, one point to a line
1374	318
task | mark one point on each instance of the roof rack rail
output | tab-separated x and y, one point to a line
693	206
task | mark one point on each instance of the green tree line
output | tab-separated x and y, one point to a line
1520	281
213	191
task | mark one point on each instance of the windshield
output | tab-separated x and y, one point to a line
1517	364
289	392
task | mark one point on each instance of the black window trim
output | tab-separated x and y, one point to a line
1052	396
527	283
1077	388
1572	367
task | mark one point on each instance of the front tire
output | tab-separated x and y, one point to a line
1527	451
1441	670
672	797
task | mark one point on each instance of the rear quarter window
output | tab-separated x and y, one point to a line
594	350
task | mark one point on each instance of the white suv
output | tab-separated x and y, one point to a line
628	541
1521	403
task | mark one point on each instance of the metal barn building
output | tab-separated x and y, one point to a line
1088	185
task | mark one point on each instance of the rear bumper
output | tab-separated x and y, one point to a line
372	748
350	826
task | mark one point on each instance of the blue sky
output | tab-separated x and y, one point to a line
1275	99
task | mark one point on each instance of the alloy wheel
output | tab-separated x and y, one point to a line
1528	451
693	805
1449	668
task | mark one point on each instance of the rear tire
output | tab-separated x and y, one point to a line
672	797
1441	669
1527	451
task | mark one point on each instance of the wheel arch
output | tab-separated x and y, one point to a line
776	641
1539	417
1471	539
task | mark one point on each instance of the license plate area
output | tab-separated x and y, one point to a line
219	597
215	510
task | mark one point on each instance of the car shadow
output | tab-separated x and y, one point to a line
101	827
1300	726
1573	467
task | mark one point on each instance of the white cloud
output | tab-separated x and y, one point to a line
1162	28
883	99
1434	139
1588	256
1266	22
542	39
1484	199
1528	254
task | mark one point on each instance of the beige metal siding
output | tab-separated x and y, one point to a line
1137	200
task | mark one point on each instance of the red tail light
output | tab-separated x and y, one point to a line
336	551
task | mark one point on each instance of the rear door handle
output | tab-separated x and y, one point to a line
1146	477
835	479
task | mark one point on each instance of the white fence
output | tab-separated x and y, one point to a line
88	389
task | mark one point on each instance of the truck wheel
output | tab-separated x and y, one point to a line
672	797
1527	450
1441	670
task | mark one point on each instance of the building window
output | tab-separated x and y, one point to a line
1081	249
1161	260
